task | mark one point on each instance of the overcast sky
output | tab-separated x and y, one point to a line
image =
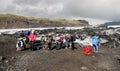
94	11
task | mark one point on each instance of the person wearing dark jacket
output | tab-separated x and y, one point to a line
72	39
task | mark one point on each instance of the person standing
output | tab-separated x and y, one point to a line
95	41
72	39
49	41
43	41
67	40
60	42
32	38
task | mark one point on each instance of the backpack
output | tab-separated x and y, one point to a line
20	43
87	50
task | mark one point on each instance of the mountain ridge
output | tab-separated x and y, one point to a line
10	21
110	23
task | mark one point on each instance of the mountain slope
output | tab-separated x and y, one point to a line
14	21
109	23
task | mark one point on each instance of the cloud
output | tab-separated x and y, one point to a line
36	8
99	10
102	9
26	2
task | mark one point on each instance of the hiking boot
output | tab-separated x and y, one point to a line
70	47
66	47
96	52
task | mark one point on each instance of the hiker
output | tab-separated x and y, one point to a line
72	39
27	33
95	41
43	41
32	38
67	40
20	44
60	42
57	38
49	41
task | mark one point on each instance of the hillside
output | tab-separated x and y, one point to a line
14	21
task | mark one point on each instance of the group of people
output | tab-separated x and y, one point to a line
47	41
22	43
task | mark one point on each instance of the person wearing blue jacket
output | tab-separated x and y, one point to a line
27	33
95	41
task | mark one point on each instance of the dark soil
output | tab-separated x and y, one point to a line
108	59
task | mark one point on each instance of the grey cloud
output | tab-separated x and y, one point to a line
103	9
34	2
38	8
26	2
98	9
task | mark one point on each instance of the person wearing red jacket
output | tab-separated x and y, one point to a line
32	38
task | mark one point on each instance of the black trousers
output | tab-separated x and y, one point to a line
59	45
72	45
31	45
49	46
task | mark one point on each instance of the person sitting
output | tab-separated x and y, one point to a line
27	33
20	44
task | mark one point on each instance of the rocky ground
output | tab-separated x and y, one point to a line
108	58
